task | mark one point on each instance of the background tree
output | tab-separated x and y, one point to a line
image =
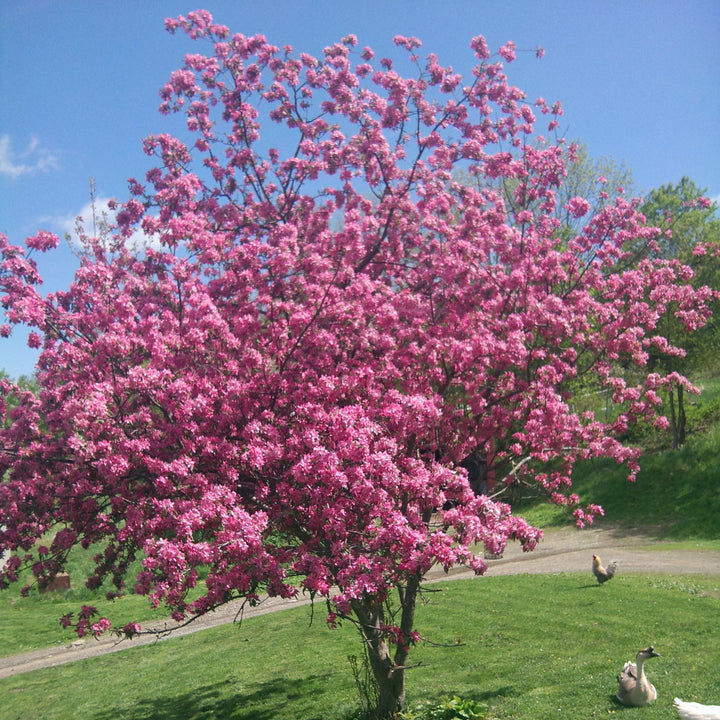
599	181
23	384
282	395
689	226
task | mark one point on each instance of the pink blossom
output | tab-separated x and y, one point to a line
480	46
578	207
409	43
43	241
99	627
507	51
130	630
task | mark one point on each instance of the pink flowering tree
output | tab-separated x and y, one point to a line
282	395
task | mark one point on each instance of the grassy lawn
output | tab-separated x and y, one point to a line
530	647
34	622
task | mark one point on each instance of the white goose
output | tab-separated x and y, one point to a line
633	687
696	711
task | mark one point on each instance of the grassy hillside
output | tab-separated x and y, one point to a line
676	492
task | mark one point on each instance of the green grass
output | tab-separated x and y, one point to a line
33	622
530	647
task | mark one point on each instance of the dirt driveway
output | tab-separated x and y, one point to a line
566	550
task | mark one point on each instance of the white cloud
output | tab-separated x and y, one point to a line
33	159
96	219
91	216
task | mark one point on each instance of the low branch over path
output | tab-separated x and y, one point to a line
566	550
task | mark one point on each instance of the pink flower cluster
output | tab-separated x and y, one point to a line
83	625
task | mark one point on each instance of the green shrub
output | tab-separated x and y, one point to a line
451	708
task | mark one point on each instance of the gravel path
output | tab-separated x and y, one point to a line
566	550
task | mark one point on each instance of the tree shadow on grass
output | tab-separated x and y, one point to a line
276	698
487	695
481	696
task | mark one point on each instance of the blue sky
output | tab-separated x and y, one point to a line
79	84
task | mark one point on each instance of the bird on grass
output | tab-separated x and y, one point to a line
696	711
634	688
603	574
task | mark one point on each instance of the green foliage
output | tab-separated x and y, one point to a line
582	181
674	209
701	413
687	222
24	382
451	708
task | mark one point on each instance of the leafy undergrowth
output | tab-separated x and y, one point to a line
523	647
450	708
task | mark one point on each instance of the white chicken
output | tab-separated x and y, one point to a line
696	711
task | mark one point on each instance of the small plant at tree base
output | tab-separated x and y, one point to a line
365	684
451	708
283	397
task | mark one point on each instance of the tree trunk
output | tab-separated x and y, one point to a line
681	423
673	418
390	680
388	671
